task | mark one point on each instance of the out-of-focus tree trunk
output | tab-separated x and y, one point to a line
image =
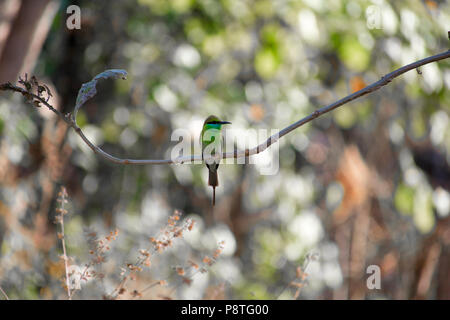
25	29
8	11
431	268
443	279
24	26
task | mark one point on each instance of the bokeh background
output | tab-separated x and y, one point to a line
367	184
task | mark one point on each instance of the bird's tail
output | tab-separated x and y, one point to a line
213	181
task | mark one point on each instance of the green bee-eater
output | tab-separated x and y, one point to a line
211	140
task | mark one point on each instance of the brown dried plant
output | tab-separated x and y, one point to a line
301	277
98	249
59	219
100	246
168	234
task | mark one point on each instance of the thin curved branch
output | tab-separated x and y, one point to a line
71	121
4	293
370	88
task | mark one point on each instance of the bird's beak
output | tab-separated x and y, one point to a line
225	122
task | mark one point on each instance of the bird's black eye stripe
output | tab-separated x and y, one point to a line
213	122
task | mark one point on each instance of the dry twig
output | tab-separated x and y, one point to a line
62	199
4	293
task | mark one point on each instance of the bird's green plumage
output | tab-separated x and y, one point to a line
217	126
212	133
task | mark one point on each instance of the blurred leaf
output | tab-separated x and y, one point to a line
82	119
423	211
404	199
181	6
419	124
254	291
266	63
345	117
353	54
263	8
213	45
159	7
2	125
